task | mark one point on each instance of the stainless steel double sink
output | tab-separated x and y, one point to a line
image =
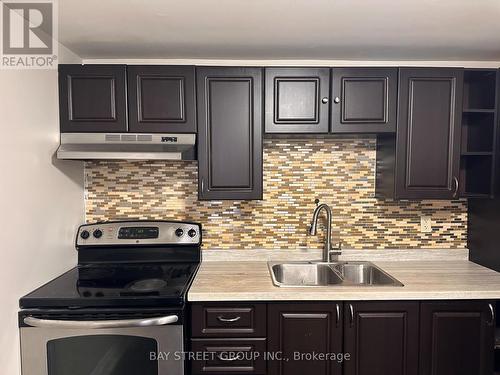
335	274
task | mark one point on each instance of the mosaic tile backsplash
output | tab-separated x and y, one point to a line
340	172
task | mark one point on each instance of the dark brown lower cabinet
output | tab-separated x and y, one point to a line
457	338
229	356
304	329
381	338
353	338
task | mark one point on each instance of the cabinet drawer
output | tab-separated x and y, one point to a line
241	320
228	356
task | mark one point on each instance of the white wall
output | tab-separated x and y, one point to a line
41	199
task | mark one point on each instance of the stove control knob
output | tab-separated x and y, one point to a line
84	234
191	233
97	233
179	232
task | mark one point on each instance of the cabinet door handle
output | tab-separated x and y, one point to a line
228	358
351	315
457	185
337	316
228	320
202	184
492	312
324	100
336	100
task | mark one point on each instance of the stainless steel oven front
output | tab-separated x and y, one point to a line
109	346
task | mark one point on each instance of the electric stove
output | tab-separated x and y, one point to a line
123	264
126	296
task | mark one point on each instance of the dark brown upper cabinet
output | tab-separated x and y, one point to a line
92	98
456	338
297	100
304	328
364	100
161	99
382	338
423	160
229	133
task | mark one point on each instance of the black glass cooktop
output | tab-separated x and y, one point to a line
124	284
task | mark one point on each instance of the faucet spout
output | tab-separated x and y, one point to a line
328	237
313	228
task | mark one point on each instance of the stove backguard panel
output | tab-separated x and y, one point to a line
340	172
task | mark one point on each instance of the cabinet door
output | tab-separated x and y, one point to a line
161	99
297	100
428	135
456	338
364	100
92	98
304	329
230	133
381	337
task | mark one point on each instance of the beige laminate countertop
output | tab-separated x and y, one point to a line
438	279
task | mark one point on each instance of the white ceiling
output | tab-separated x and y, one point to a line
282	29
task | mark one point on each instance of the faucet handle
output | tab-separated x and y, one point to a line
337	248
334	252
316	201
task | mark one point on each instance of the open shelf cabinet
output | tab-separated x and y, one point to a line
479	133
476	175
480	89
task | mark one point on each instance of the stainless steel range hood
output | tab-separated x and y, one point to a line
127	146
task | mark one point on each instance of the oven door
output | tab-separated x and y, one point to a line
149	346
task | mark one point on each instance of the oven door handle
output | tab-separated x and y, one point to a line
91	324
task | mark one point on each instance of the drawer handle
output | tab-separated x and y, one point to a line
228	320
227	358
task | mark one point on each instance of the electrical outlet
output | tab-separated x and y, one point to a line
425	224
